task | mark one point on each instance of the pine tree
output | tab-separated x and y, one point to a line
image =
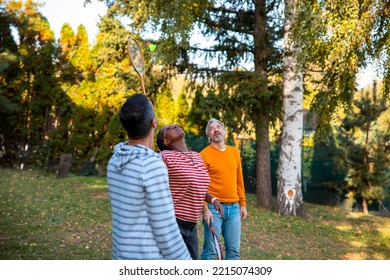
363	150
67	43
34	89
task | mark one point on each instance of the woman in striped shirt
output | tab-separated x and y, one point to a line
188	181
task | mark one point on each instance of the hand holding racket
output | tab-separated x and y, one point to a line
137	59
217	205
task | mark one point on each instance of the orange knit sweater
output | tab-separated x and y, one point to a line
225	172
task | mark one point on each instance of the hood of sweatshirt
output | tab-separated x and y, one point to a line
124	154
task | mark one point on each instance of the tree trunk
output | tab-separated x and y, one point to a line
261	119
366	161
263	164
290	198
365	206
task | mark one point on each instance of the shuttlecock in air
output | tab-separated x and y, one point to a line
151	46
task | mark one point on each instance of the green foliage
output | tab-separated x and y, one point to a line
244	96
89	169
7	42
199	114
115	133
248	158
165	109
173	20
361	148
29	88
6	60
337	39
181	111
56	100
112	41
79	54
7	107
326	170
196	142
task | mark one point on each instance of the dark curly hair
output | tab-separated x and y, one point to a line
160	139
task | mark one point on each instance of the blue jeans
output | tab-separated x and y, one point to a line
230	226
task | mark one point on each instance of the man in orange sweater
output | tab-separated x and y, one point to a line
226	183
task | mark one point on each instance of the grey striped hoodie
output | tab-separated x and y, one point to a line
143	220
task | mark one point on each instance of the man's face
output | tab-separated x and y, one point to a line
216	132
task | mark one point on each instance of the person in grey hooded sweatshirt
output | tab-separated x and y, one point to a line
144	226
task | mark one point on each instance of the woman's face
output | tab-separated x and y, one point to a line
172	132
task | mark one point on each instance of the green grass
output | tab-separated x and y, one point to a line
70	219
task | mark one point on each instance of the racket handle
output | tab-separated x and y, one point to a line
143	84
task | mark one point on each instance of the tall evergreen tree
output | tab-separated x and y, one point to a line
79	55
9	75
35	90
362	149
67	43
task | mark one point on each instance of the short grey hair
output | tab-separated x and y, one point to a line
211	121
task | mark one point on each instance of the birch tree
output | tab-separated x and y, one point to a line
290	198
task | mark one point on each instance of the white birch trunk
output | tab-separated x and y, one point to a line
290	199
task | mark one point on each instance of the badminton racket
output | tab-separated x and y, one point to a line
216	242
137	59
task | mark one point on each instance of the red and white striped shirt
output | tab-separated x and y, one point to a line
189	181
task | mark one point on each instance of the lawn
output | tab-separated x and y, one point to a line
42	217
